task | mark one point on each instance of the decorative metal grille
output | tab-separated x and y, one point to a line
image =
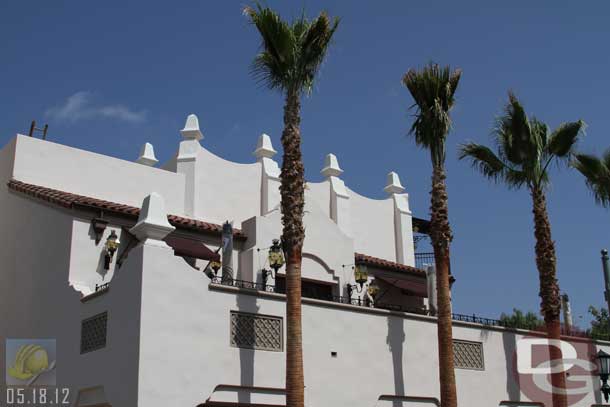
468	355
93	333
251	331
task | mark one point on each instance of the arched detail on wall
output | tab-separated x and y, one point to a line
322	263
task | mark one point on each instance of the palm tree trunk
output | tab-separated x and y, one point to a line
292	190
440	234
549	288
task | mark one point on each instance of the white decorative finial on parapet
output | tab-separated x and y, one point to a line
152	226
191	128
331	167
264	148
147	155
394	186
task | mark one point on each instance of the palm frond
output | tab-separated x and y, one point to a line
525	147
597	175
513	131
564	138
484	160
314	45
492	166
291	54
433	91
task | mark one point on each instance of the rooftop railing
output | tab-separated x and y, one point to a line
422	259
249	285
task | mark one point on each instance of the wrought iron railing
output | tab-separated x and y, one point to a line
101	287
422	259
249	285
477	320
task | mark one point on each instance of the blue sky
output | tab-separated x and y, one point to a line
109	76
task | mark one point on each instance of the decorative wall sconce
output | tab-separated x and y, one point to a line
603	365
276	261
99	226
111	246
361	276
215	265
373	289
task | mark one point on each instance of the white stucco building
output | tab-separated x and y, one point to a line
150	326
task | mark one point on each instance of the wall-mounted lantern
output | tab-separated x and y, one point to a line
111	246
373	289
361	276
603	365
276	261
215	265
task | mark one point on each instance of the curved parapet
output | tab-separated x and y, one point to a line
218	190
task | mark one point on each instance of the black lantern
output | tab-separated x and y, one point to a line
603	365
215	265
111	246
276	261
276	258
373	289
361	276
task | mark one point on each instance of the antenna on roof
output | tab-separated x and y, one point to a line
33	128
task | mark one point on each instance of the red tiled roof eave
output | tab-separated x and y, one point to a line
70	200
367	260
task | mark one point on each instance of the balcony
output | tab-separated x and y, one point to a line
422	259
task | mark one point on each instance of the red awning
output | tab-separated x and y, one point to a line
415	288
191	248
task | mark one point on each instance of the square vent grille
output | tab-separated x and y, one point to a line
468	355
93	333
253	331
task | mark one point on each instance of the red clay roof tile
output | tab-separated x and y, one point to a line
386	264
70	200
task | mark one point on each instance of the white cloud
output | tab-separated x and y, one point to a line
79	106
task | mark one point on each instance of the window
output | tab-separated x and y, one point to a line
468	355
254	331
309	289
93	333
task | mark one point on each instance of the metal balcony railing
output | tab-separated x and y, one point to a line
249	285
422	259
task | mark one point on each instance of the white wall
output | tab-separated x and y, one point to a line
87	258
373	221
37	301
227	190
81	172
224	190
325	250
168	332
185	350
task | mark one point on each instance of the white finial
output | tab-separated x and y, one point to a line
152	226
147	155
264	148
191	128
331	166
394	186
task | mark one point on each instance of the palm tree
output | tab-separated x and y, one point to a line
290	57
433	89
597	175
525	150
